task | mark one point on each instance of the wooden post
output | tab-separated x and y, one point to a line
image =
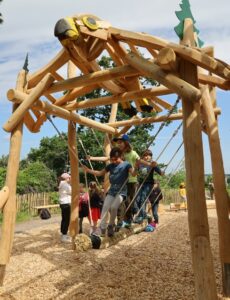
4	194
18	114
9	210
205	284
74	167
221	195
107	143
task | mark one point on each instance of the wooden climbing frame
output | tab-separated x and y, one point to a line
182	69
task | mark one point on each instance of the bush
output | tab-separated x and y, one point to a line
36	178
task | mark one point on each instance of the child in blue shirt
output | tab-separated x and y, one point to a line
147	186
119	171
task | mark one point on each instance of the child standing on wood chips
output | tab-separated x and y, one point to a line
65	190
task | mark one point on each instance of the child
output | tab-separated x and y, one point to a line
182	192
119	171
95	203
154	199
83	206
132	157
147	185
64	189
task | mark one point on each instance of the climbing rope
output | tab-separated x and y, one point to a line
146	199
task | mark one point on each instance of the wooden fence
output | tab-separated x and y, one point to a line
27	202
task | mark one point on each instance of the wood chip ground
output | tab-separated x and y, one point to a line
154	266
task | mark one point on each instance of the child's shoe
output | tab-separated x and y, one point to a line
127	224
110	231
65	238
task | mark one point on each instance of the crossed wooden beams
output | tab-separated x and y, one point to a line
122	81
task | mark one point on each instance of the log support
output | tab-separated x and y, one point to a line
74	167
205	284
9	209
221	194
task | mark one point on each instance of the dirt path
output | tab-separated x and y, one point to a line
154	266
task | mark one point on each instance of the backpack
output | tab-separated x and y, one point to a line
44	214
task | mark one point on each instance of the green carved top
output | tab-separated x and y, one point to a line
184	13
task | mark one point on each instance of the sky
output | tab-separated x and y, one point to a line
28	28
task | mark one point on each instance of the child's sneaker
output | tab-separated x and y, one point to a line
118	227
65	238
110	231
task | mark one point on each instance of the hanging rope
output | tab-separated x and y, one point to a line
86	155
144	180
98	142
146	199
174	107
172	137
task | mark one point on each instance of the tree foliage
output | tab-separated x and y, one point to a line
1	18
36	177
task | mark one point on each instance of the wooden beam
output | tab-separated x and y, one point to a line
162	103
214	81
188	53
57	62
204	276
4	195
74	167
93	78
128	96
167	60
171	81
70	116
20	112
221	194
148	120
9	209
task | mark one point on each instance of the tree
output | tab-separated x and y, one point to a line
53	152
1	19
36	178
4	160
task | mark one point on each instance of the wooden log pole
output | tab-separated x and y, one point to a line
205	284
171	81
92	78
65	114
148	120
107	143
167	60
20	112
4	195
187	53
9	209
136	94
57	62
221	195
74	167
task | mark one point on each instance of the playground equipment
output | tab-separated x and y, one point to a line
183	69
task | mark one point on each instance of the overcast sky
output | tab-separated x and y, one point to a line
28	27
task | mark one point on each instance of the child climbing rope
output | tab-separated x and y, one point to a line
83	207
154	199
64	190
146	185
95	196
119	171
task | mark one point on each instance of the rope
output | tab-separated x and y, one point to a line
96	138
146	199
86	154
172	137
